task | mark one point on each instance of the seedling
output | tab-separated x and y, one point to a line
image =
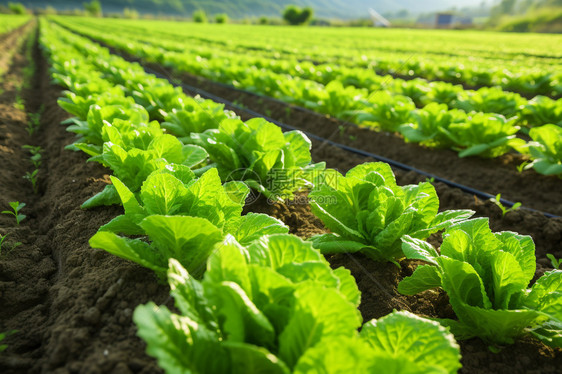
342	130
4	335
35	154
3	238
34	122
18	104
497	200
16	206
32	177
555	262
523	166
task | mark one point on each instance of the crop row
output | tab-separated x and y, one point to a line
9	22
254	298
516	71
268	303
466	131
539	111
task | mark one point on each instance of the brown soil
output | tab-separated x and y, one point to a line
72	305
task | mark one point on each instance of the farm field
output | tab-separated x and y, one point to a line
211	199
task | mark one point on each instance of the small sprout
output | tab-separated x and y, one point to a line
3	335
11	247
342	130
32	177
34	122
430	180
523	166
16	206
497	200
2	238
555	262
18	104
352	138
35	154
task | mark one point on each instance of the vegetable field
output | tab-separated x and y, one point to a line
188	198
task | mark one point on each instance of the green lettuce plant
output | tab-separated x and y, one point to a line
367	211
258	153
276	306
484	135
486	276
175	191
545	150
133	166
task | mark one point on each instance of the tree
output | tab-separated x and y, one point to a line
17	8
200	16
221	18
93	8
297	16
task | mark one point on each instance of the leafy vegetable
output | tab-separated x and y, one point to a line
175	190
133	166
484	135
546	150
486	276
259	310
367	211
258	153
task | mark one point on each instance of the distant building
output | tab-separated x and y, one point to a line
444	20
378	20
450	20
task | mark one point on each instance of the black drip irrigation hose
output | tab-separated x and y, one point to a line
480	194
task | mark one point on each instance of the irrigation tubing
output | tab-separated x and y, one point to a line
480	194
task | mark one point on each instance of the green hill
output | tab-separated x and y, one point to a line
252	8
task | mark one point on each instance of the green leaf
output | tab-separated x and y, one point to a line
546	294
508	279
522	248
416	249
254	225
108	196
193	155
331	243
549	333
425	277
180	345
190	240
407	337
189	296
497	326
162	194
249	359
240	320
463	284
348	285
130	249
338	356
319	313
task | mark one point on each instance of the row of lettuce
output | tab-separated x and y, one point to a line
467	59
420	91
9	22
448	117
251	297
